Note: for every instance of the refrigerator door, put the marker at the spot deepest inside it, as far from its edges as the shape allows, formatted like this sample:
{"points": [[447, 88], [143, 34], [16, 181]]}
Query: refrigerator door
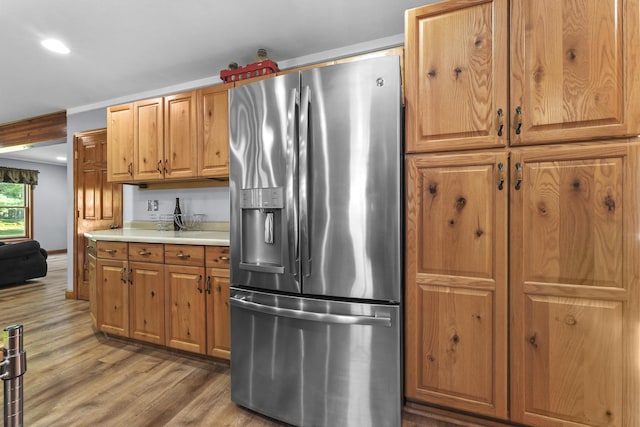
{"points": [[312, 362], [350, 180], [263, 183]]}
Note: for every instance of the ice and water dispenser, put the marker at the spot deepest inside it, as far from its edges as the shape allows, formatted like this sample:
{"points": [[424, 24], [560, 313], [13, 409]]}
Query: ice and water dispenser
{"points": [[262, 229]]}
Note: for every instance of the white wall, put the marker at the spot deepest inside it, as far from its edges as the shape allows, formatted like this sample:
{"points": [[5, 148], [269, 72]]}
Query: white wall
{"points": [[214, 202], [49, 215]]}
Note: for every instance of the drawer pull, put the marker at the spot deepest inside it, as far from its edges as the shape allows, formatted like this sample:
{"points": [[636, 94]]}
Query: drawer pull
{"points": [[223, 258], [183, 256], [144, 253], [110, 251]]}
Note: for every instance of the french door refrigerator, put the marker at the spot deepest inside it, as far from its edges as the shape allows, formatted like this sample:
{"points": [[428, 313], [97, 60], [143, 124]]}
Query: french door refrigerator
{"points": [[316, 262]]}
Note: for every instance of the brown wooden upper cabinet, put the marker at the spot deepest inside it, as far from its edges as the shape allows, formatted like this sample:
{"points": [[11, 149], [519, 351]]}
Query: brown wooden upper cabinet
{"points": [[120, 143], [213, 131], [181, 136], [573, 73]]}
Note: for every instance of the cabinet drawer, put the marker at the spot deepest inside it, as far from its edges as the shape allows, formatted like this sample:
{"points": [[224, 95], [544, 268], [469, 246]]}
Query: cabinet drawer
{"points": [[150, 252], [112, 250], [184, 255], [217, 256]]}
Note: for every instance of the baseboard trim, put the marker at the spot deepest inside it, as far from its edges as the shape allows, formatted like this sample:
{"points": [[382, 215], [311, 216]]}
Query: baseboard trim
{"points": [[69, 294], [424, 411], [56, 251]]}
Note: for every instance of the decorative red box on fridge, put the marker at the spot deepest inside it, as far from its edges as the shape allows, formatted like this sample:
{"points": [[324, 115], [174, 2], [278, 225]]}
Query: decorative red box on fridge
{"points": [[256, 69]]}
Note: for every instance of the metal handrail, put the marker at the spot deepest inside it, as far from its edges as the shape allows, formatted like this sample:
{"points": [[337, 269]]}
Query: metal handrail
{"points": [[12, 368]]}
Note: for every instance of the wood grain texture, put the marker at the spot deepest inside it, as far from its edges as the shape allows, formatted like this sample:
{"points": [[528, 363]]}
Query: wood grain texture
{"points": [[41, 129], [180, 135], [98, 203], [120, 151], [456, 289], [574, 285], [456, 73], [574, 68], [148, 139], [213, 131], [185, 315]]}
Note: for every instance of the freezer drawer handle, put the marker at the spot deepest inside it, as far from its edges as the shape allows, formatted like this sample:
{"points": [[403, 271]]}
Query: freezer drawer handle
{"points": [[262, 268], [376, 320]]}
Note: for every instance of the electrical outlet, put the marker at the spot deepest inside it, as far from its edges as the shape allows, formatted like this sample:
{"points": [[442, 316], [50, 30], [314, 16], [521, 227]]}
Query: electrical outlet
{"points": [[152, 205]]}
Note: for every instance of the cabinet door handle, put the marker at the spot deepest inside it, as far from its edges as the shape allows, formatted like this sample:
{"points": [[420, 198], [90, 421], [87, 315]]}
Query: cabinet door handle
{"points": [[129, 274], [208, 285], [159, 169], [518, 176], [500, 121], [532, 341], [166, 170], [500, 176], [122, 271], [199, 282], [130, 168], [519, 120]]}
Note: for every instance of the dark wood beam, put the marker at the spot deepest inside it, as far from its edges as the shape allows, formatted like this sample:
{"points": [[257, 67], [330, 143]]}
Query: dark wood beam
{"points": [[34, 130]]}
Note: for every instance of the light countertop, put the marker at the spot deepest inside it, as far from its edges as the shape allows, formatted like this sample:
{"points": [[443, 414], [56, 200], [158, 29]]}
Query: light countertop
{"points": [[209, 238]]}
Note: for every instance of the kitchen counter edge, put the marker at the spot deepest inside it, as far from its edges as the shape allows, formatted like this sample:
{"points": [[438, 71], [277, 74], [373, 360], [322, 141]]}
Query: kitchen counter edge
{"points": [[207, 238]]}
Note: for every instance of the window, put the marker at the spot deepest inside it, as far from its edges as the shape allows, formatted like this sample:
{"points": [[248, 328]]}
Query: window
{"points": [[15, 212]]}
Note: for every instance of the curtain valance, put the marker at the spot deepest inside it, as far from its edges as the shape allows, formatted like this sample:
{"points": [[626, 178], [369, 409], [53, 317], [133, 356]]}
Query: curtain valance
{"points": [[18, 176]]}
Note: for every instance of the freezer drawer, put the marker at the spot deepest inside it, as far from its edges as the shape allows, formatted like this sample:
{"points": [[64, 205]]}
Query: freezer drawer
{"points": [[312, 362]]}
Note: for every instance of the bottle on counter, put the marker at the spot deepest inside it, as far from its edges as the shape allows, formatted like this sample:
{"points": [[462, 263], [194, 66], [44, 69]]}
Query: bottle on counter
{"points": [[177, 216]]}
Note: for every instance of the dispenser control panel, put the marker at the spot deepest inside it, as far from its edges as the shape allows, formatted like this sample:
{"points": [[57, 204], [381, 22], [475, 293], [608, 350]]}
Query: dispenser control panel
{"points": [[261, 198]]}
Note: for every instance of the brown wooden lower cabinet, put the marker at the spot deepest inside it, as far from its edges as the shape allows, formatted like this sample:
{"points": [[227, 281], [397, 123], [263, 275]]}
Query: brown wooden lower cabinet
{"points": [[161, 293], [569, 333], [185, 308]]}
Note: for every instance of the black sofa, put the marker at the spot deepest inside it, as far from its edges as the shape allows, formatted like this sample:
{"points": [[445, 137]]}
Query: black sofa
{"points": [[22, 261]]}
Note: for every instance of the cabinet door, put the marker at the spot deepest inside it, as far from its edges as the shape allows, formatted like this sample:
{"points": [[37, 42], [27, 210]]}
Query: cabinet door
{"points": [[218, 314], [149, 140], [180, 135], [574, 70], [113, 297], [147, 302], [185, 308], [456, 76], [120, 143], [213, 131], [456, 281], [574, 285]]}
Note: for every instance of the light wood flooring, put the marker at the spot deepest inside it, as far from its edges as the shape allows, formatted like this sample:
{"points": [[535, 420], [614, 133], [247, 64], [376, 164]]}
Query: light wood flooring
{"points": [[79, 377]]}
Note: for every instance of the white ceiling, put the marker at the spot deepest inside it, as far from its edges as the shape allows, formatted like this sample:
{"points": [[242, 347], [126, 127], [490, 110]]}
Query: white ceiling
{"points": [[123, 49]]}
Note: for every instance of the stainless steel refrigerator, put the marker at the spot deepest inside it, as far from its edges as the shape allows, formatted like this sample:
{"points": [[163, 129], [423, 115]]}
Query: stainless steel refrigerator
{"points": [[316, 262]]}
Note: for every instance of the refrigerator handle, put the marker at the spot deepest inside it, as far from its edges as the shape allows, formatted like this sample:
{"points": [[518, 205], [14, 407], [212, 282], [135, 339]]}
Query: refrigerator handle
{"points": [[305, 238], [343, 319], [292, 183]]}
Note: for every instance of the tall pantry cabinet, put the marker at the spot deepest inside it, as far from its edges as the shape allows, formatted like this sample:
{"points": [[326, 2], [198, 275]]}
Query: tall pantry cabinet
{"points": [[523, 210]]}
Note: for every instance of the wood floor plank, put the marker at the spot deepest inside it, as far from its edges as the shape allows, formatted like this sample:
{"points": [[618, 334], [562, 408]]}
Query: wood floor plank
{"points": [[79, 377]]}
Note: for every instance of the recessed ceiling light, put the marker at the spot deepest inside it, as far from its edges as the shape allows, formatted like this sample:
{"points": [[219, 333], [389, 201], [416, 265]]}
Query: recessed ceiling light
{"points": [[55, 46]]}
